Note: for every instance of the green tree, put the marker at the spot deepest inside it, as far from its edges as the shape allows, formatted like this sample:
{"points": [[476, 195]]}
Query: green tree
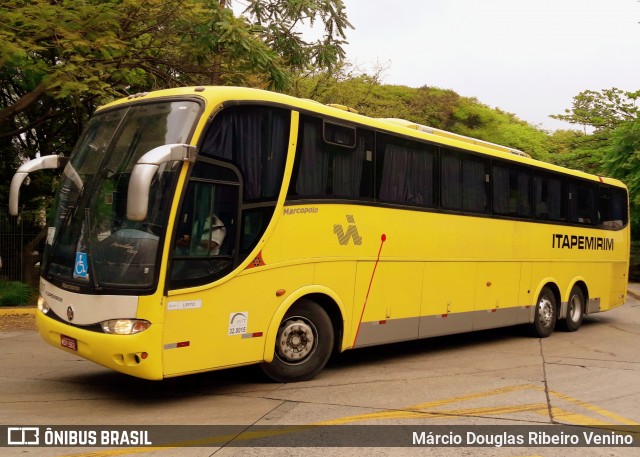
{"points": [[599, 114], [601, 110], [79, 50], [622, 161], [59, 59], [577, 150], [474, 119], [432, 106]]}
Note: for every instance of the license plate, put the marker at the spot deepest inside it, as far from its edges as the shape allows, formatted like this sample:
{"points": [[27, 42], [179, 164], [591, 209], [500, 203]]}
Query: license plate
{"points": [[68, 342]]}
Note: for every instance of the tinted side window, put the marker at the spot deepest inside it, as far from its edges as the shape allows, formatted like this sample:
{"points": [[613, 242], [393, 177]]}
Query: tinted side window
{"points": [[255, 139], [549, 202], [511, 191], [464, 182], [582, 209], [612, 208], [205, 237], [408, 171], [326, 169]]}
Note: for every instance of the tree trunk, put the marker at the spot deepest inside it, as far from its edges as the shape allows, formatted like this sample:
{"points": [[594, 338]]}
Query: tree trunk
{"points": [[22, 104], [29, 260]]}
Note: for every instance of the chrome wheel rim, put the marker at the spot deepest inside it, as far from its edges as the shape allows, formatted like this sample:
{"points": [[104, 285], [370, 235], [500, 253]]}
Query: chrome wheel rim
{"points": [[297, 340], [545, 312]]}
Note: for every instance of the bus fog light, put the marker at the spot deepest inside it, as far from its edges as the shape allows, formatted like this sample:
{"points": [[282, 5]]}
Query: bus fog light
{"points": [[43, 306], [125, 326]]}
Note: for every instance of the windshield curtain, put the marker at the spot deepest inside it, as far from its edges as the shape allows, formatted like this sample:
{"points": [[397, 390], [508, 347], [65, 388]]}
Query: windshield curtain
{"points": [[90, 242]]}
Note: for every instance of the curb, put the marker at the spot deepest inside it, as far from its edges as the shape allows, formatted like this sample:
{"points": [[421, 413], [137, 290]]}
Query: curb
{"points": [[14, 311], [635, 295]]}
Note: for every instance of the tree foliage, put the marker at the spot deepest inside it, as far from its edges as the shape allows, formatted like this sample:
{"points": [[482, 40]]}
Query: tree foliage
{"points": [[79, 50], [603, 110], [432, 106], [622, 161], [59, 59], [611, 148]]}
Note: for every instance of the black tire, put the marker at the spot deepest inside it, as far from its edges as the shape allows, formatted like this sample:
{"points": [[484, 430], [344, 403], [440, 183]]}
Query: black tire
{"points": [[545, 315], [303, 344], [575, 311]]}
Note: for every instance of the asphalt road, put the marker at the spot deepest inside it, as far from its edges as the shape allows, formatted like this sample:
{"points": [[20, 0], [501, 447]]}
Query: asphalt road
{"points": [[499, 377]]}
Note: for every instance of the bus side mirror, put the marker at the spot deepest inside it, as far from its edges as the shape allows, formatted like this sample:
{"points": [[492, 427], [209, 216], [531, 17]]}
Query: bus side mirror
{"points": [[40, 163], [145, 170]]}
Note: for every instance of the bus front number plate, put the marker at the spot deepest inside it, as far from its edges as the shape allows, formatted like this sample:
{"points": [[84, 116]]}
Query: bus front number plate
{"points": [[68, 342]]}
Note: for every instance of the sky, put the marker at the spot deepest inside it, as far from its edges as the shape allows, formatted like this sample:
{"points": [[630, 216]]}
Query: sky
{"points": [[526, 57]]}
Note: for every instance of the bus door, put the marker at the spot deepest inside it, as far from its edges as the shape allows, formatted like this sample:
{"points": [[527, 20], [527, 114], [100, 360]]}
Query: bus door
{"points": [[204, 250]]}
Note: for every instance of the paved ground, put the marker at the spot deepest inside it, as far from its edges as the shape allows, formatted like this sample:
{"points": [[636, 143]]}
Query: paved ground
{"points": [[499, 378]]}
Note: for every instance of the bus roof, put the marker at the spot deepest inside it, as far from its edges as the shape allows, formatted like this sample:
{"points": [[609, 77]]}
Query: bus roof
{"points": [[216, 95]]}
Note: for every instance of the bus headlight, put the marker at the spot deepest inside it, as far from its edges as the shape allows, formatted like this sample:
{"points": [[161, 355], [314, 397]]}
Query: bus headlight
{"points": [[43, 305], [125, 326]]}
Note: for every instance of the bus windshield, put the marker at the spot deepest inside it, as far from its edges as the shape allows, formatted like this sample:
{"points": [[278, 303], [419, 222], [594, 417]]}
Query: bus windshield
{"points": [[90, 242]]}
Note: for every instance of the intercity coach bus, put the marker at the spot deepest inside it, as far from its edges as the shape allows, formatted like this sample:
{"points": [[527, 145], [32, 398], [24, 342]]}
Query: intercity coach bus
{"points": [[202, 228]]}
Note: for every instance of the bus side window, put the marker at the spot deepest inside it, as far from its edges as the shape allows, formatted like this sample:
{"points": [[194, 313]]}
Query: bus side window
{"points": [[511, 191], [548, 197], [206, 233], [327, 168], [201, 231], [612, 208], [582, 203], [465, 180], [408, 172]]}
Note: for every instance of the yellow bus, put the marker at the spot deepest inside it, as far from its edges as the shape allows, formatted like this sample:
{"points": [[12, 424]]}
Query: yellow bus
{"points": [[203, 228]]}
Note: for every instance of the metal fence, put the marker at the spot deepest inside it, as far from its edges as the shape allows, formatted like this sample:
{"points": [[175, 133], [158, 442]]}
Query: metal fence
{"points": [[20, 250]]}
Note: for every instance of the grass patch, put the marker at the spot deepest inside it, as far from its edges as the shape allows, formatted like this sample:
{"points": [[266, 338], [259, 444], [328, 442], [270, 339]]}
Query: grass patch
{"points": [[14, 293]]}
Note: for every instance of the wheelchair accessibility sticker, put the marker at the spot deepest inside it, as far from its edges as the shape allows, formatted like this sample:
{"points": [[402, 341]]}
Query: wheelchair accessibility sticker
{"points": [[80, 270]]}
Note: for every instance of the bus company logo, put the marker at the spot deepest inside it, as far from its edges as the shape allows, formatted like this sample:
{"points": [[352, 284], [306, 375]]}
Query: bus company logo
{"points": [[350, 233], [591, 243]]}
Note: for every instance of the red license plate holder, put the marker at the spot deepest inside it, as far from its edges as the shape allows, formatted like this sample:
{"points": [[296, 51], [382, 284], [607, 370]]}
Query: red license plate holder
{"points": [[68, 342]]}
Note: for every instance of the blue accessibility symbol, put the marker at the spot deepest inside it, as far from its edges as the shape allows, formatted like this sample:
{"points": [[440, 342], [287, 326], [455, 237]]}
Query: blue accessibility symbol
{"points": [[80, 270]]}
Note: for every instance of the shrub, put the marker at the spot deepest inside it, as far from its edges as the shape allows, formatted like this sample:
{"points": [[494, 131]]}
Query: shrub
{"points": [[14, 293]]}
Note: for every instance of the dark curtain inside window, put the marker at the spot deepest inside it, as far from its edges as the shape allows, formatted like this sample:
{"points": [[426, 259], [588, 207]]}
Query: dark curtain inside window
{"points": [[347, 170], [451, 182], [326, 169], [548, 198], [314, 161], [407, 175], [524, 200], [501, 190], [510, 192], [474, 197], [255, 139]]}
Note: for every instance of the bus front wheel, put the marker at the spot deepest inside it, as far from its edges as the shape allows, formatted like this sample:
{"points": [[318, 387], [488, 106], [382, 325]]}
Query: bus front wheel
{"points": [[546, 313], [303, 344]]}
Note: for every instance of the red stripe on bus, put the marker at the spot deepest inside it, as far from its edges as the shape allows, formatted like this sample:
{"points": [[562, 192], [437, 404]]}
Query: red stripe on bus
{"points": [[383, 238]]}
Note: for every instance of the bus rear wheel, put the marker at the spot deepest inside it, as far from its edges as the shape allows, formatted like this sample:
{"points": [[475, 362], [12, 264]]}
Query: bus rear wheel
{"points": [[575, 310], [303, 344], [546, 313]]}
